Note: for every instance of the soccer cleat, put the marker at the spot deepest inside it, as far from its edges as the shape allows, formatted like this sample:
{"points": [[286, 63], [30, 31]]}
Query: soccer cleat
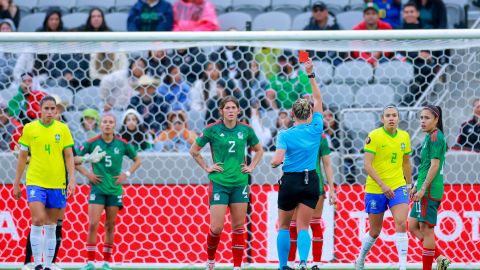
{"points": [[38, 267], [88, 266], [47, 268], [287, 268], [105, 266], [443, 262], [210, 265], [315, 267], [359, 265], [54, 266], [28, 266]]}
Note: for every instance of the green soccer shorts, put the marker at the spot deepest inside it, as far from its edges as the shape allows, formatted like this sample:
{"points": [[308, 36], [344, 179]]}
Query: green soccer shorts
{"points": [[106, 200], [220, 194], [426, 211]]}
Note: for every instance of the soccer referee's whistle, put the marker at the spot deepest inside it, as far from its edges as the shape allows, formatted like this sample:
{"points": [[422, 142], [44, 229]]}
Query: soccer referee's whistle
{"points": [[306, 177]]}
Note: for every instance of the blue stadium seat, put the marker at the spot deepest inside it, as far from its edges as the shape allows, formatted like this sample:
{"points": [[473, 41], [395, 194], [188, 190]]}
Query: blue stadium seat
{"points": [[253, 7], [86, 5], [273, 20], [31, 22], [347, 20], [74, 20], [64, 5], [124, 5], [234, 19], [117, 21]]}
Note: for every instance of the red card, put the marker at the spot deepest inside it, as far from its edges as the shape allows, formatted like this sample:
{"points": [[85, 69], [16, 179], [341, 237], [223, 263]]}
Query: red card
{"points": [[302, 56]]}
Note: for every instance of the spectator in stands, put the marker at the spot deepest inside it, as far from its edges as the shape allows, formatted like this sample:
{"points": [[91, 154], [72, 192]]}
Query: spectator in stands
{"points": [[62, 106], [10, 129], [371, 21], [174, 90], [102, 64], [283, 122], [411, 17], [390, 11], [150, 15], [255, 84], [7, 60], [95, 22], [25, 106], [205, 88], [134, 131], [263, 133], [53, 21], [433, 13], [158, 63], [194, 15], [289, 84], [8, 10], [234, 60], [116, 88], [149, 104], [267, 59], [320, 19], [190, 61], [89, 127], [177, 137], [224, 87], [469, 137]]}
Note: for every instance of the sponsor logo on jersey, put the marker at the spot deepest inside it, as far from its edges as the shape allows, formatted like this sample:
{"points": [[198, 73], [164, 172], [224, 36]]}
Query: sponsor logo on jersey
{"points": [[216, 197], [116, 151], [373, 204], [240, 135], [402, 145], [57, 137]]}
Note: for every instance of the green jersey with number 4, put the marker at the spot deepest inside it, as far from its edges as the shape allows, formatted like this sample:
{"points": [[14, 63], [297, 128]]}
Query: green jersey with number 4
{"points": [[434, 147], [110, 165], [228, 146]]}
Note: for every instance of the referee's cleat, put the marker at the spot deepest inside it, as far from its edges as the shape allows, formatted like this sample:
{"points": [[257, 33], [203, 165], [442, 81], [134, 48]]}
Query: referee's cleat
{"points": [[287, 268], [302, 266], [442, 262], [359, 265]]}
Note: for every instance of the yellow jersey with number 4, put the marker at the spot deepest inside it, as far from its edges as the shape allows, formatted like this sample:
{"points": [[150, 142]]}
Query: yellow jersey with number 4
{"points": [[388, 160], [46, 144]]}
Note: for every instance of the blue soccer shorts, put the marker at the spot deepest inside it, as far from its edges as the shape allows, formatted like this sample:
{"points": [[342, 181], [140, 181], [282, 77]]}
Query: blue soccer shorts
{"points": [[379, 203], [50, 197]]}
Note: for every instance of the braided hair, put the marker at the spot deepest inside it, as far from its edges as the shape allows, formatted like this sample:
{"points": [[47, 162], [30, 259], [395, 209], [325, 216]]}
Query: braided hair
{"points": [[301, 109]]}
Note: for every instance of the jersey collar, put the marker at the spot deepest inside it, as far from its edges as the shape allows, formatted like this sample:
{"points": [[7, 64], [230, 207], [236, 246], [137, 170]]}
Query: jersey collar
{"points": [[390, 135], [47, 126]]}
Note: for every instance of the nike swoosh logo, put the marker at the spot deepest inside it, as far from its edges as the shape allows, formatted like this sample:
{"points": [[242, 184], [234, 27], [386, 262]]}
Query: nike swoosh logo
{"points": [[36, 137]]}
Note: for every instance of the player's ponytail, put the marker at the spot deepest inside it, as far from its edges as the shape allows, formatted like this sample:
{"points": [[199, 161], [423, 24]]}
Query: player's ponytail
{"points": [[440, 119]]}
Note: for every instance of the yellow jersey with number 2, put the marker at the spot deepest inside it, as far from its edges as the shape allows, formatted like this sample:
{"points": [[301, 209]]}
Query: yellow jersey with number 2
{"points": [[46, 145], [388, 160]]}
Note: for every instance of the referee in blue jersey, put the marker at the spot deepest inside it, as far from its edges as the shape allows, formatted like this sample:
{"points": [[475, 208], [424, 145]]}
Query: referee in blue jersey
{"points": [[297, 149]]}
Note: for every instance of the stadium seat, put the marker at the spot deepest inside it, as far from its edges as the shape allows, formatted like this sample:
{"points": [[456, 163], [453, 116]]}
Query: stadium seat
{"points": [[64, 93], [394, 72], [356, 71], [237, 20], [124, 5], [293, 8], [374, 95], [361, 123], [86, 5], [117, 21], [455, 15], [25, 6], [64, 5], [337, 95], [7, 94], [336, 6], [347, 20], [324, 71], [251, 6], [357, 5], [74, 20], [222, 5], [196, 120], [31, 22], [301, 20], [87, 98], [272, 21]]}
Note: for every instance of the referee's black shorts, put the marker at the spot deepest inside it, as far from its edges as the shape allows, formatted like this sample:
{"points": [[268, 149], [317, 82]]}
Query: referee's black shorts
{"points": [[294, 190]]}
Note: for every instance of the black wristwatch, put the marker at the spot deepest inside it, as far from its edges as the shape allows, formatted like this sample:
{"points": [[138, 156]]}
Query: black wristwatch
{"points": [[311, 76]]}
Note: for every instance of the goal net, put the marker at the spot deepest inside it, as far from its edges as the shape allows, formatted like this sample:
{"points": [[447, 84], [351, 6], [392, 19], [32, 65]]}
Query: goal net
{"points": [[164, 89]]}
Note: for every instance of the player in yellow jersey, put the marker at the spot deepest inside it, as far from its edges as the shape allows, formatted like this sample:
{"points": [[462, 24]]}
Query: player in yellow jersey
{"points": [[387, 162], [50, 145]]}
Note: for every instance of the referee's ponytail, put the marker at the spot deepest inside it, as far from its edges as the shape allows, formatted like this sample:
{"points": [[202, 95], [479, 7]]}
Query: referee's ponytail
{"points": [[301, 109]]}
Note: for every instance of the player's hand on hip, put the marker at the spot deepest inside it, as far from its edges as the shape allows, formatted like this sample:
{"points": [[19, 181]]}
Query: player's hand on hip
{"points": [[419, 195], [332, 198], [411, 192], [246, 168], [215, 168], [309, 66], [94, 179], [120, 179], [17, 192], [387, 191], [72, 183]]}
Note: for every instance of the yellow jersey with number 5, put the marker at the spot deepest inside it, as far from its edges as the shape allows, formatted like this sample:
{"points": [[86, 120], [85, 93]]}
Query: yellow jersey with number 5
{"points": [[46, 144], [388, 160]]}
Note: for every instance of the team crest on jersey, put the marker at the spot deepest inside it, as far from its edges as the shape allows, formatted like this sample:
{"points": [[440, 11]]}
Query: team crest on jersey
{"points": [[92, 197], [240, 135], [403, 147], [57, 137], [368, 140], [216, 197], [373, 204], [116, 151]]}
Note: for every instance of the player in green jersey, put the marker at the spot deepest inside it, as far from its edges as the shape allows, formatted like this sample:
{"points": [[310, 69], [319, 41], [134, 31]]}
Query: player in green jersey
{"points": [[228, 139], [106, 186], [428, 192], [316, 221]]}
